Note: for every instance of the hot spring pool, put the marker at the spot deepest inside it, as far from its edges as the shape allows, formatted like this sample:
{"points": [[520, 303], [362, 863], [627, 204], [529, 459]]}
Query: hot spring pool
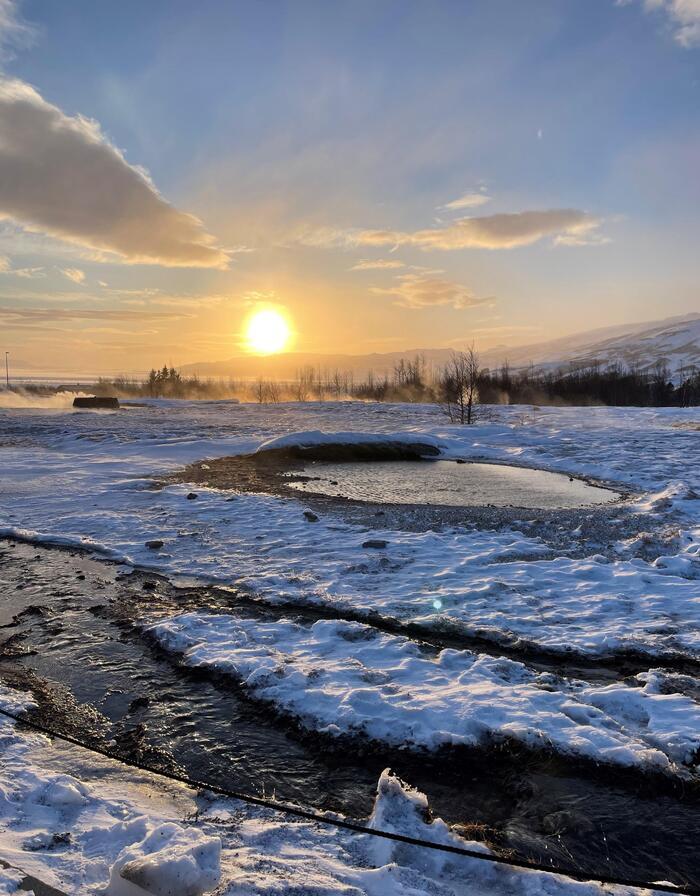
{"points": [[449, 483]]}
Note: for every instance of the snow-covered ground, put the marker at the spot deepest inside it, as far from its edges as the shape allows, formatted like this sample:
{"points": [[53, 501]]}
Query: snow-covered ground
{"points": [[86, 826], [347, 678], [85, 478]]}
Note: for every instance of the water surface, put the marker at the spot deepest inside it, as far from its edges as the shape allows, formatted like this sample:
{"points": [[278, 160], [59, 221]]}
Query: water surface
{"points": [[445, 482]]}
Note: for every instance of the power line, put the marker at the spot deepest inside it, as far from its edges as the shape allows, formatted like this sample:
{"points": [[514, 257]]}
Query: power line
{"points": [[310, 815]]}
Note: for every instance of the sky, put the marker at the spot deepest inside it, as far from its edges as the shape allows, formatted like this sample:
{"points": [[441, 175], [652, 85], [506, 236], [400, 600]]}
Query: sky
{"points": [[390, 174]]}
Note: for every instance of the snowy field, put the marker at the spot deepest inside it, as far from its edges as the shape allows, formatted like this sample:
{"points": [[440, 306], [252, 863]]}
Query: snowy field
{"points": [[86, 479]]}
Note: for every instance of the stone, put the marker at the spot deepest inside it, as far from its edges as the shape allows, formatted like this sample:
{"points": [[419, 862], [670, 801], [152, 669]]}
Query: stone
{"points": [[101, 402], [192, 496], [378, 543], [155, 544], [310, 517]]}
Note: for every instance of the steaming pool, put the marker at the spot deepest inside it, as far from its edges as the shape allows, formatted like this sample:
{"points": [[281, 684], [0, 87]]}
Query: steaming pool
{"points": [[450, 483]]}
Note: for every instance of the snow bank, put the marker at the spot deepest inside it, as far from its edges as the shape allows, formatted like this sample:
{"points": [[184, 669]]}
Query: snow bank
{"points": [[118, 833], [166, 860], [347, 678], [10, 881], [313, 438], [70, 833]]}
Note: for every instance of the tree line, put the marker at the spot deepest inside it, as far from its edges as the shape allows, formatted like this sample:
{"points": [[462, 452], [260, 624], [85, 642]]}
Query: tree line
{"points": [[459, 386]]}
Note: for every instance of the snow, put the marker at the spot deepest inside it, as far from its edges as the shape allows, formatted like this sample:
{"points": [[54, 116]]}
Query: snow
{"points": [[348, 678], [164, 861], [87, 479], [124, 840], [10, 881], [318, 437], [69, 833]]}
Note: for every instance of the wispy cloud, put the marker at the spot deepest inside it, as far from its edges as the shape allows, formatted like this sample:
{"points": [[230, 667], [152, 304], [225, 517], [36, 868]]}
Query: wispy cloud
{"points": [[15, 33], [61, 176], [468, 200], [421, 291], [377, 264], [27, 273], [12, 316], [74, 274], [683, 17], [502, 231]]}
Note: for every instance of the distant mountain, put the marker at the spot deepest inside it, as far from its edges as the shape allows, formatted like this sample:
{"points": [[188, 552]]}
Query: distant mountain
{"points": [[674, 341]]}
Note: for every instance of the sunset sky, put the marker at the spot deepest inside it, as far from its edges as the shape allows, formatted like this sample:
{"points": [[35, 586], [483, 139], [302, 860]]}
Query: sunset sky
{"points": [[392, 175]]}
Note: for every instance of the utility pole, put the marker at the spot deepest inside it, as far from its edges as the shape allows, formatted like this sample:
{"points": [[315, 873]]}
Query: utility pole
{"points": [[7, 371]]}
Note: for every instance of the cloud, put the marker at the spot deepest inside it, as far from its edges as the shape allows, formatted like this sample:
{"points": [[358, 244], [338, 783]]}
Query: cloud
{"points": [[469, 200], [6, 268], [14, 31], [683, 16], [74, 274], [502, 231], [377, 264], [60, 175], [421, 291], [12, 317]]}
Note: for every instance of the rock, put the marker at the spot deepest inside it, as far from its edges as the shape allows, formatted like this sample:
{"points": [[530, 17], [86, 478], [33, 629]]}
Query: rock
{"points": [[311, 517], [155, 544], [192, 496], [99, 402], [378, 543], [150, 586], [139, 703], [460, 460]]}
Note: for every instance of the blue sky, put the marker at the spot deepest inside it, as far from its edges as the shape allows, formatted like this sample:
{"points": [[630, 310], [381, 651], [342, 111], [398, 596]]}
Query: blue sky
{"points": [[319, 145]]}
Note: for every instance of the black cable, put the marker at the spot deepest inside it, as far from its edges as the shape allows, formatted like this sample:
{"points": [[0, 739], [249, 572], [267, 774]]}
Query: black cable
{"points": [[309, 815]]}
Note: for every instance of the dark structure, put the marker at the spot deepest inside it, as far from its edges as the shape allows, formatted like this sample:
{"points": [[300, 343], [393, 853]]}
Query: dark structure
{"points": [[100, 403]]}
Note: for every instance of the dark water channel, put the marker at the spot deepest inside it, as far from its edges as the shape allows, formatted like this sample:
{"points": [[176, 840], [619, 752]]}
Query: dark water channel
{"points": [[448, 483], [66, 622]]}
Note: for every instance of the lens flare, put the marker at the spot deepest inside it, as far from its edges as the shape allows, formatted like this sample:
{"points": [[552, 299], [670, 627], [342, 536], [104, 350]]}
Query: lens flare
{"points": [[267, 332]]}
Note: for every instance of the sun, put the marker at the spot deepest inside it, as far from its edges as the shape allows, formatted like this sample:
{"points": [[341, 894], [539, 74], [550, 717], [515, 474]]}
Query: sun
{"points": [[267, 332]]}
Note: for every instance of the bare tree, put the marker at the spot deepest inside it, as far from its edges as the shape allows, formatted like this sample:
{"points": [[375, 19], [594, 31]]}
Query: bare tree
{"points": [[266, 391], [304, 383], [459, 392]]}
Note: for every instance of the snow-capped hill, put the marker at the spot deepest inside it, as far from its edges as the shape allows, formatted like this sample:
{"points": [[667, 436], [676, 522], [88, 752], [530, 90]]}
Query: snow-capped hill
{"points": [[674, 342]]}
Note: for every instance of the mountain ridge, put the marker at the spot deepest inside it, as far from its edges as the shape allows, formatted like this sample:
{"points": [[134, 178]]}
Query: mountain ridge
{"points": [[674, 341]]}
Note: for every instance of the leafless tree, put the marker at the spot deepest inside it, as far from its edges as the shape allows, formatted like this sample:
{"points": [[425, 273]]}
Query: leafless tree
{"points": [[304, 384], [459, 392], [266, 392]]}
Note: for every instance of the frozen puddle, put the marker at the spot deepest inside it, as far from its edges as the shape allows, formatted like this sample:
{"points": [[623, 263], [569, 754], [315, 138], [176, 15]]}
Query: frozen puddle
{"points": [[446, 482]]}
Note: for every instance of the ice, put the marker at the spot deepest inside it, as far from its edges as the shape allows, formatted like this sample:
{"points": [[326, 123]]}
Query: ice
{"points": [[166, 860]]}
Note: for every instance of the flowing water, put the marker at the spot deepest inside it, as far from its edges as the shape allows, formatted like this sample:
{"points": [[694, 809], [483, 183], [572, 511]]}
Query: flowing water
{"points": [[66, 620], [445, 482]]}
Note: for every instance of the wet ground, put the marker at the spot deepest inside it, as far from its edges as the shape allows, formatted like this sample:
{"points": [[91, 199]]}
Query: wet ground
{"points": [[70, 629], [448, 483]]}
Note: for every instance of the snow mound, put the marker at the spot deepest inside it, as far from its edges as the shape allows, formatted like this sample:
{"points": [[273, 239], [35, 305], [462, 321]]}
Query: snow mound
{"points": [[421, 443], [10, 881], [167, 861], [672, 496], [401, 809]]}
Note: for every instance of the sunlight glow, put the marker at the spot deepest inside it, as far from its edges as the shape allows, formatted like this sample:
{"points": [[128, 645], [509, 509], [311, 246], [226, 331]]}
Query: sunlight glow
{"points": [[267, 332]]}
